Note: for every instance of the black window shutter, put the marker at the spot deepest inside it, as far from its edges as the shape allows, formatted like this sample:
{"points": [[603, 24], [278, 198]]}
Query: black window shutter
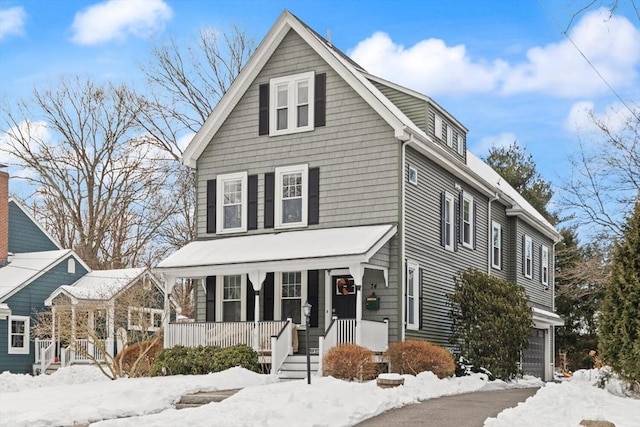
{"points": [[456, 237], [540, 262], [251, 300], [524, 256], [269, 195], [211, 206], [267, 291], [420, 271], [313, 296], [263, 109], [501, 255], [320, 96], [475, 224], [443, 224], [314, 196], [210, 315], [252, 219], [460, 214]]}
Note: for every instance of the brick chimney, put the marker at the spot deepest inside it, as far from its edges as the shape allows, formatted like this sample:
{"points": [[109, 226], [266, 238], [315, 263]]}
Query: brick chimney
{"points": [[4, 216]]}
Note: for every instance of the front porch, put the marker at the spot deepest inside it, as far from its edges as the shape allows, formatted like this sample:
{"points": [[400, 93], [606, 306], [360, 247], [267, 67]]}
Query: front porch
{"points": [[83, 351]]}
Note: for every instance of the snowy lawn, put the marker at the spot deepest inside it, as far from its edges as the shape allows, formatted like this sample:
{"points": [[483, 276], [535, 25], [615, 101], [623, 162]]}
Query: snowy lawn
{"points": [[81, 395]]}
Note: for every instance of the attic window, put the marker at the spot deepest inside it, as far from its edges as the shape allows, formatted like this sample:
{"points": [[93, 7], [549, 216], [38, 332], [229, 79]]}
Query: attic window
{"points": [[438, 126], [292, 104], [71, 266], [460, 147]]}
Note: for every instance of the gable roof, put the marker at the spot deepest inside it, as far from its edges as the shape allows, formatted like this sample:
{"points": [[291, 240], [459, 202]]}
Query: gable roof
{"points": [[102, 285], [24, 268], [36, 223], [475, 172]]}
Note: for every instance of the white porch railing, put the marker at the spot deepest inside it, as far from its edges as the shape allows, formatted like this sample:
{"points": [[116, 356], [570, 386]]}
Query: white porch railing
{"points": [[281, 346], [41, 345], [46, 357], [375, 335], [221, 334], [85, 350], [65, 356]]}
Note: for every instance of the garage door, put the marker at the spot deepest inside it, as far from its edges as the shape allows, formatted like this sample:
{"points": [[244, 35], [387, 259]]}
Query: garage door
{"points": [[533, 359]]}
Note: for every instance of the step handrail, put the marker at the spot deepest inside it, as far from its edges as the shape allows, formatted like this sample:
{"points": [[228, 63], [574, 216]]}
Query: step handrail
{"points": [[46, 358], [281, 346]]}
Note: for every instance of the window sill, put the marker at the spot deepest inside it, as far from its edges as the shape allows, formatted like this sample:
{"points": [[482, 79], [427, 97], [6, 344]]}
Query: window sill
{"points": [[291, 131]]}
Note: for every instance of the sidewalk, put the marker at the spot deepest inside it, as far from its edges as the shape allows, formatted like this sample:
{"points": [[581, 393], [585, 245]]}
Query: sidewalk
{"points": [[462, 410]]}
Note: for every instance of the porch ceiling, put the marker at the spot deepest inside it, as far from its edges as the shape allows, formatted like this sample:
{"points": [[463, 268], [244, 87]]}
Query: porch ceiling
{"points": [[306, 249]]}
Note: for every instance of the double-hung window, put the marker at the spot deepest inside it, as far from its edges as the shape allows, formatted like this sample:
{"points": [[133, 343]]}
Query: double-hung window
{"points": [[292, 293], [144, 318], [460, 147], [291, 196], [496, 245], [292, 103], [232, 287], [527, 257], [544, 265], [449, 136], [449, 221], [413, 295], [232, 203], [19, 334], [438, 126], [467, 220]]}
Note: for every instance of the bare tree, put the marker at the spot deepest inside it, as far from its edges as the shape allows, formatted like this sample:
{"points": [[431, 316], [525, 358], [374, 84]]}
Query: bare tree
{"points": [[605, 180], [99, 183]]}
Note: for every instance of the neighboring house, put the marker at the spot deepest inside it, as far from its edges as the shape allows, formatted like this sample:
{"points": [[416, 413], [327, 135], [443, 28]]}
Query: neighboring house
{"points": [[319, 182], [95, 317], [33, 266]]}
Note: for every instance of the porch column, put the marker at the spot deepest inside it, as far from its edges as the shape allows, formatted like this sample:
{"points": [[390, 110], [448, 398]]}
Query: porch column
{"points": [[111, 330], [169, 283], [357, 272], [257, 278]]}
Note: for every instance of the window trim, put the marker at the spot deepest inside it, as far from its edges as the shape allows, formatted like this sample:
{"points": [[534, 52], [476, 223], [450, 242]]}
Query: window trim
{"points": [[220, 297], [149, 310], [460, 146], [466, 197], [244, 204], [437, 126], [497, 264], [26, 349], [527, 267], [277, 303], [279, 172], [449, 136], [413, 180], [544, 265], [412, 265], [292, 110], [448, 197]]}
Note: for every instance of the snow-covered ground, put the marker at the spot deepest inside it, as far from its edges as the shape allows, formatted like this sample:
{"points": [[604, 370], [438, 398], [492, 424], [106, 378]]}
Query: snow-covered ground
{"points": [[81, 394]]}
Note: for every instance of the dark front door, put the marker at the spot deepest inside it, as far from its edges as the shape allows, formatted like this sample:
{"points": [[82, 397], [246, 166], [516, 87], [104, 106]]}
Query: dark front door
{"points": [[344, 297]]}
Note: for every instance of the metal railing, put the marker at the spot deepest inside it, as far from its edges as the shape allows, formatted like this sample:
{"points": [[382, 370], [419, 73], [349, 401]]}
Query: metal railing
{"points": [[281, 346]]}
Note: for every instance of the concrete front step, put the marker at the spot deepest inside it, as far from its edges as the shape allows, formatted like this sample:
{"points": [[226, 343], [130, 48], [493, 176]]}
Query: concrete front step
{"points": [[295, 367], [194, 400]]}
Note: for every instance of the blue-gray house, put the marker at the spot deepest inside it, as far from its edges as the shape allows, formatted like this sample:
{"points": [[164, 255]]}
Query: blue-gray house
{"points": [[32, 265]]}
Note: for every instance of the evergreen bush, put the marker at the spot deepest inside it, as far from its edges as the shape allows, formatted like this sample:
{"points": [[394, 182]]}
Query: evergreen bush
{"points": [[413, 357], [350, 362], [201, 360], [491, 322]]}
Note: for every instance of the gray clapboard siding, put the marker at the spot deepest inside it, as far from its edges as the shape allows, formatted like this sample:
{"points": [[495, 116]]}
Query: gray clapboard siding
{"points": [[499, 215], [414, 108], [538, 295], [356, 151]]}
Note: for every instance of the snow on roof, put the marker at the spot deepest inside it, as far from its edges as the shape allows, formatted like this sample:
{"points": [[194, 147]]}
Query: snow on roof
{"points": [[26, 267], [102, 284], [291, 245]]}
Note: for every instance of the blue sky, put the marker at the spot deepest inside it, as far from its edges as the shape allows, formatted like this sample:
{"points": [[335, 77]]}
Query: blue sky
{"points": [[503, 68]]}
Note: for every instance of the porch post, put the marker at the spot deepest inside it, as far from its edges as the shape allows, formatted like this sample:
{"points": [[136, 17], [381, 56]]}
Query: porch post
{"points": [[257, 278], [169, 283], [357, 271]]}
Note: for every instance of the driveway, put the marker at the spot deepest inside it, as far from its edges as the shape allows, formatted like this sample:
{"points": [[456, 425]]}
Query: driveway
{"points": [[462, 410]]}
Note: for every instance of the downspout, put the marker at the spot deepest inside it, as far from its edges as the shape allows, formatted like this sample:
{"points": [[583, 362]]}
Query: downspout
{"points": [[490, 234]]}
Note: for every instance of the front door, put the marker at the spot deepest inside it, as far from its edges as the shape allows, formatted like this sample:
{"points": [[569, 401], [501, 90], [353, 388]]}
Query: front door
{"points": [[344, 297]]}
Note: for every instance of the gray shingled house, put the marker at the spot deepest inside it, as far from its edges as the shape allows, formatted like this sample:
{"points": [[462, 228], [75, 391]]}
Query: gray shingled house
{"points": [[320, 182]]}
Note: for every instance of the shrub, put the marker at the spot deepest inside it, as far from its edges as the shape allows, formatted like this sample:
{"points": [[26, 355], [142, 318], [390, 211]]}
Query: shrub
{"points": [[137, 359], [350, 362], [413, 357], [201, 360]]}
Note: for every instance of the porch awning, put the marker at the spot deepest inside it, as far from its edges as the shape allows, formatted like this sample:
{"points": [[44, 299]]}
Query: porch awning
{"points": [[544, 319], [282, 251]]}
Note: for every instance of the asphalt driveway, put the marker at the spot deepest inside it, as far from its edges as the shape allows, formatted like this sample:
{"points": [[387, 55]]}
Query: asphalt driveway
{"points": [[461, 410]]}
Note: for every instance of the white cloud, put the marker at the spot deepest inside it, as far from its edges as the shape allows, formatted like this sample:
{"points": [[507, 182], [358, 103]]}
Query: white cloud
{"points": [[580, 119], [612, 45], [503, 139], [432, 67], [117, 19], [36, 132], [12, 21]]}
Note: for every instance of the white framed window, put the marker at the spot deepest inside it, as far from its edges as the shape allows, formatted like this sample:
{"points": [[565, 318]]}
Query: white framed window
{"points": [[291, 196], [71, 266], [496, 245], [231, 195], [291, 103], [19, 330], [413, 295], [140, 318], [527, 257], [449, 221], [460, 147], [466, 216], [449, 136], [291, 288], [413, 175], [438, 126], [544, 265], [232, 292]]}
